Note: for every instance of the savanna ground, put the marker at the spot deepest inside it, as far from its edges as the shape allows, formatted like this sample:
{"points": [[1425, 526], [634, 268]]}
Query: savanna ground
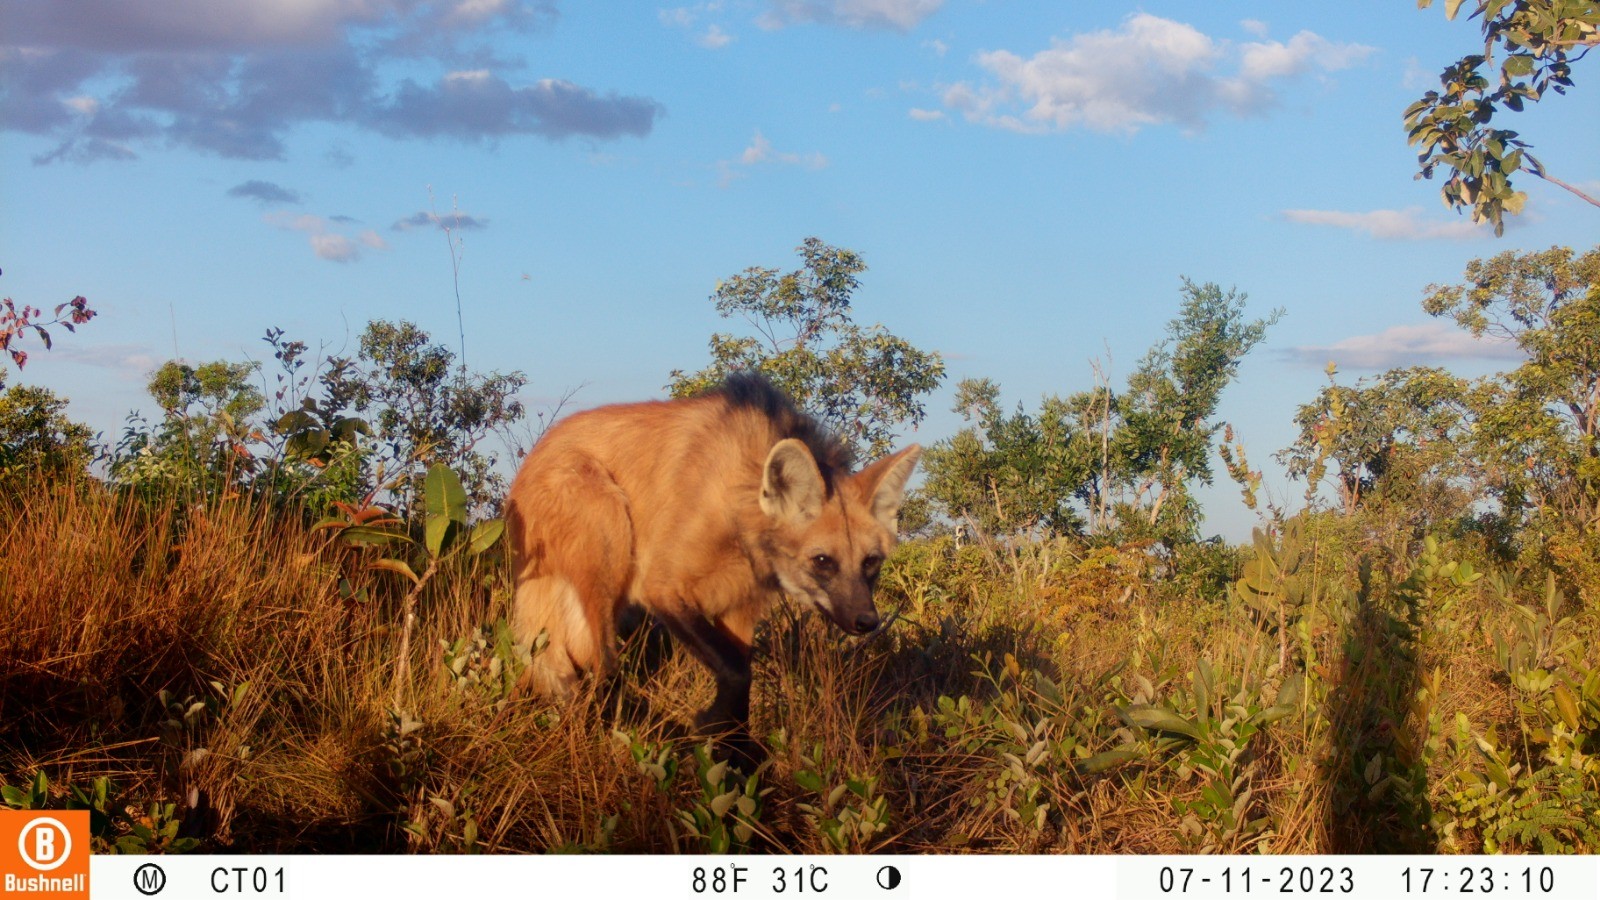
{"points": [[219, 676], [273, 618]]}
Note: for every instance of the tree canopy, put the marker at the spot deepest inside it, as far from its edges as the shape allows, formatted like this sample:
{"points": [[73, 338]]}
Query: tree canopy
{"points": [[1100, 459], [863, 382]]}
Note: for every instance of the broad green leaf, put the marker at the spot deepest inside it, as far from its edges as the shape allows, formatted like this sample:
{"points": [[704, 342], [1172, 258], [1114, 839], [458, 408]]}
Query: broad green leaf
{"points": [[444, 496], [1158, 718], [485, 535], [347, 428], [16, 798], [306, 444], [293, 421], [436, 534]]}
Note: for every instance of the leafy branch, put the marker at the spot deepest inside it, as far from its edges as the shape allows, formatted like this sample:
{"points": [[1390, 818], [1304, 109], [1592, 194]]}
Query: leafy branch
{"points": [[1539, 40]]}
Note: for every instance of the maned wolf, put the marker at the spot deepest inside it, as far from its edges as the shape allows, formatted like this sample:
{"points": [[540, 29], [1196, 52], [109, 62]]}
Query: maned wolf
{"points": [[700, 511]]}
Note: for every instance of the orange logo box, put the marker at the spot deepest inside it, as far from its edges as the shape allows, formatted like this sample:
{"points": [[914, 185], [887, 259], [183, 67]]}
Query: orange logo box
{"points": [[44, 854]]}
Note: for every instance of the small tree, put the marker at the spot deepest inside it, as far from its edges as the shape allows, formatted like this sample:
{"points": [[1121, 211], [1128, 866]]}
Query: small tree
{"points": [[369, 425], [863, 382], [1537, 428], [204, 438], [1399, 439], [37, 440], [1129, 459], [1163, 442], [424, 410], [1009, 474]]}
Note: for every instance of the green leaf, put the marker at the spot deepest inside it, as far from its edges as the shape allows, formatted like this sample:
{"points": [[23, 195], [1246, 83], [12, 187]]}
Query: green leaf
{"points": [[444, 496], [485, 535], [346, 429], [1451, 7], [1157, 718], [1100, 762], [306, 444], [367, 534], [1289, 694], [806, 778], [437, 533], [293, 421], [15, 798], [1274, 713]]}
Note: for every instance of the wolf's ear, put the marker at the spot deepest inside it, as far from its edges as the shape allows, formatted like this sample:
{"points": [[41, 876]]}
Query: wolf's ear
{"points": [[791, 485], [884, 484]]}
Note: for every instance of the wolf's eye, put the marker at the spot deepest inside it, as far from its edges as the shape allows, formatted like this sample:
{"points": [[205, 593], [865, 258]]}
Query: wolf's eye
{"points": [[871, 565], [822, 562]]}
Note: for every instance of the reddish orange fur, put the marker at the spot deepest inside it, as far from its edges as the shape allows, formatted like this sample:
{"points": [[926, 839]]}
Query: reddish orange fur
{"points": [[661, 505]]}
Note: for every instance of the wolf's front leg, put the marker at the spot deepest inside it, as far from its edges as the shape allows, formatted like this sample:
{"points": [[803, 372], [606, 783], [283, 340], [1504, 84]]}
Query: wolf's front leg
{"points": [[726, 652]]}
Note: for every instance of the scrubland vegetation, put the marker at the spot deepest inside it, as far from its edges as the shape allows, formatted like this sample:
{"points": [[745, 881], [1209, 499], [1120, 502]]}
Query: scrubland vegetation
{"points": [[274, 619]]}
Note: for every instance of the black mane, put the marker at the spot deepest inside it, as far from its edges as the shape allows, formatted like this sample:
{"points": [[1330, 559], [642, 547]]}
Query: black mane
{"points": [[752, 390]]}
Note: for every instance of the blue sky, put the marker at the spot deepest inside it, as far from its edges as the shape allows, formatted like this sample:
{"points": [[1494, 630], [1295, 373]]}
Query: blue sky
{"points": [[1027, 183]]}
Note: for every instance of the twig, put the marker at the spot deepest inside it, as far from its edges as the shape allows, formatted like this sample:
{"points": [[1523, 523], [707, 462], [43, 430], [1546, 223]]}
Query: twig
{"points": [[404, 668], [1559, 183]]}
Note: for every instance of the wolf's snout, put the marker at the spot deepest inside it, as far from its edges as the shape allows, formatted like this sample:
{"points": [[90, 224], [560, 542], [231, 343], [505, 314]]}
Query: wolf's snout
{"points": [[867, 621]]}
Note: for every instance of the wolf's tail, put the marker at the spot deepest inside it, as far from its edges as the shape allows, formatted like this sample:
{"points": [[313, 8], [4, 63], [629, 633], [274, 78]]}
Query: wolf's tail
{"points": [[550, 605]]}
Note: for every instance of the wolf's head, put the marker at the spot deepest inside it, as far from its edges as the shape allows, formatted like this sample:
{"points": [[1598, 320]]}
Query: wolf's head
{"points": [[827, 546]]}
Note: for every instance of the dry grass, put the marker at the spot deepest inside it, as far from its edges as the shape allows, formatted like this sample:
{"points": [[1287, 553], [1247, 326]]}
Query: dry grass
{"points": [[113, 601]]}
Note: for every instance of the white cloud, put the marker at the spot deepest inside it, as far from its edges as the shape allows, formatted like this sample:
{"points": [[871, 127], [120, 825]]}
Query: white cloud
{"points": [[1271, 59], [1254, 26], [1405, 345], [926, 115], [1391, 224], [714, 38], [939, 48], [761, 152], [1149, 71], [82, 105], [102, 77], [334, 247], [676, 17], [131, 361], [687, 17], [326, 241], [897, 15], [1416, 78]]}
